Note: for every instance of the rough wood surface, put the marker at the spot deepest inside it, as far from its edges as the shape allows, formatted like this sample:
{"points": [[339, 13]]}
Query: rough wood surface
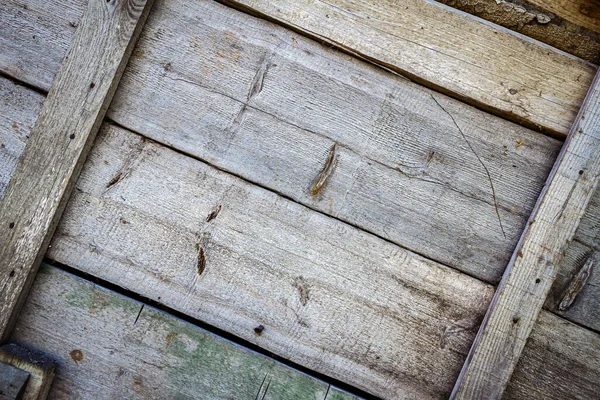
{"points": [[328, 296], [60, 139], [585, 309], [111, 347], [41, 369], [265, 104], [560, 361], [19, 107], [481, 63], [534, 265], [566, 27]]}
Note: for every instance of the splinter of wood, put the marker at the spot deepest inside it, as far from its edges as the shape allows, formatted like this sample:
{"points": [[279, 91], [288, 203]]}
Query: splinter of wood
{"points": [[325, 172], [577, 284]]}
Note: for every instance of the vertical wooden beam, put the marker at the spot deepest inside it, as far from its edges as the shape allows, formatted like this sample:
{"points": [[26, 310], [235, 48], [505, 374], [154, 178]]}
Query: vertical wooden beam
{"points": [[533, 266], [59, 143]]}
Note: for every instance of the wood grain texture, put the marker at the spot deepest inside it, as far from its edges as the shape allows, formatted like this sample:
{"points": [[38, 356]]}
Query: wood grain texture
{"points": [[582, 12], [533, 267], [12, 382], [330, 297], [266, 104], [565, 28], [480, 63], [560, 361], [19, 107], [585, 310], [109, 346], [59, 142]]}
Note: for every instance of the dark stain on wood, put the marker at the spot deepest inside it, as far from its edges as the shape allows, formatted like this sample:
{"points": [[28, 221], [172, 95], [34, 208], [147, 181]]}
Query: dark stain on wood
{"points": [[259, 330], [201, 261], [76, 355], [213, 214]]}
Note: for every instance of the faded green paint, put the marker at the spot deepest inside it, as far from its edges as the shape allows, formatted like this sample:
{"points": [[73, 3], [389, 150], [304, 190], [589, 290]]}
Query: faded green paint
{"points": [[188, 362]]}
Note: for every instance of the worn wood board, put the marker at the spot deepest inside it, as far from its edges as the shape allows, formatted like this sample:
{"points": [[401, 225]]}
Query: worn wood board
{"points": [[60, 139], [484, 64], [530, 274], [566, 24], [109, 346], [330, 297]]}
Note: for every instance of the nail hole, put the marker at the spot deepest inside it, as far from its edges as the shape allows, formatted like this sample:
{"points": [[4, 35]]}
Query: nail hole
{"points": [[580, 172], [92, 85], [537, 280], [12, 273], [11, 225], [259, 329], [516, 320], [72, 136]]}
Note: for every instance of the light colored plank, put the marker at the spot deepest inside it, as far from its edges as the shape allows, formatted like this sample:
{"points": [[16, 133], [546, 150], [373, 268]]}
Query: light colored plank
{"points": [[560, 361], [404, 170], [415, 179], [111, 347], [330, 297], [483, 64], [533, 267], [564, 27], [60, 139], [19, 108]]}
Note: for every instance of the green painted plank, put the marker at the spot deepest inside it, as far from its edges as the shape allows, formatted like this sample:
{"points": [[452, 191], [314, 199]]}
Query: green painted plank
{"points": [[110, 346]]}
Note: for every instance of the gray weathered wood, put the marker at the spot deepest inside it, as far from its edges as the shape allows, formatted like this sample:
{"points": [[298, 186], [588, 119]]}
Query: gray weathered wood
{"points": [[41, 369], [19, 107], [111, 347], [416, 181], [482, 63], [560, 361], [561, 24], [60, 139], [534, 265], [12, 382], [330, 297], [404, 170]]}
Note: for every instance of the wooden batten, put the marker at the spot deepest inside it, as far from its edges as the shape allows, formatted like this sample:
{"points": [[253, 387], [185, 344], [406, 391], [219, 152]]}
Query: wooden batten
{"points": [[60, 139], [534, 265]]}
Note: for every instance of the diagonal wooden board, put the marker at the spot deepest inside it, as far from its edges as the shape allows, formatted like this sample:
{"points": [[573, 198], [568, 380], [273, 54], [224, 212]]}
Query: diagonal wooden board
{"points": [[534, 264], [60, 140]]}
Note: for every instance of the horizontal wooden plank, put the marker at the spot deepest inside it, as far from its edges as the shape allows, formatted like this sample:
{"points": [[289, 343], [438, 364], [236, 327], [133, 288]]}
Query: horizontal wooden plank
{"points": [[409, 167], [533, 267], [561, 24], [19, 108], [60, 139], [403, 155], [560, 361], [330, 297], [484, 64], [109, 346]]}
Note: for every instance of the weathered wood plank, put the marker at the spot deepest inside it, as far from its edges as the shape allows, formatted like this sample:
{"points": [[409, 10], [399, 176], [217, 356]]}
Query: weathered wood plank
{"points": [[560, 361], [60, 139], [483, 64], [330, 297], [19, 108], [534, 265], [413, 175], [109, 346], [561, 24], [404, 158]]}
